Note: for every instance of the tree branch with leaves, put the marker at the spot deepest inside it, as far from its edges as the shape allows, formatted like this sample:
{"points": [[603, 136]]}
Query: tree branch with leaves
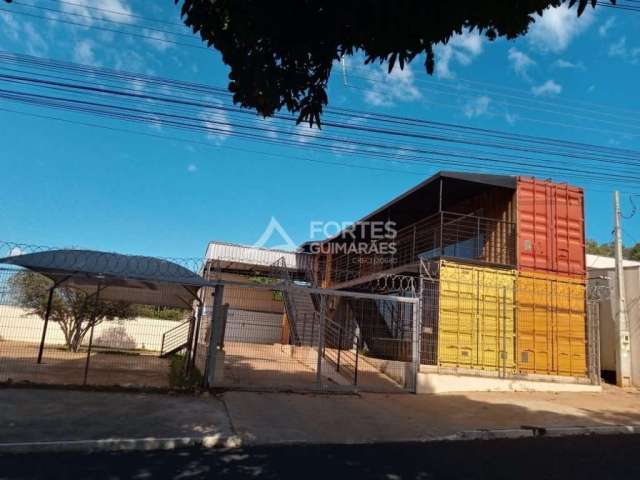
{"points": [[73, 310], [281, 53]]}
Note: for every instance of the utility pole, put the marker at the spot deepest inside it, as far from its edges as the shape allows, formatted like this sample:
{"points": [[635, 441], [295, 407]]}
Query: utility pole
{"points": [[623, 355]]}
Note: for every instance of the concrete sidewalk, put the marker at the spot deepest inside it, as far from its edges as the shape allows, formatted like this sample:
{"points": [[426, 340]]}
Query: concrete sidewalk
{"points": [[136, 420], [48, 419]]}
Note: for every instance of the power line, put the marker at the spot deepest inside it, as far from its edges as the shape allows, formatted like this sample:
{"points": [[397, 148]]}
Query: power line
{"points": [[195, 124], [115, 12], [105, 29], [98, 19], [199, 89]]}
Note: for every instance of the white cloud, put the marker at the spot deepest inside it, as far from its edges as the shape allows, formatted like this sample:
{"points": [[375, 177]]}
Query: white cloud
{"points": [[477, 107], [385, 89], [157, 40], [461, 49], [192, 168], [305, 133], [9, 26], [558, 27], [520, 62], [216, 121], [83, 53], [620, 49], [603, 31], [34, 42], [561, 63], [109, 9], [549, 87]]}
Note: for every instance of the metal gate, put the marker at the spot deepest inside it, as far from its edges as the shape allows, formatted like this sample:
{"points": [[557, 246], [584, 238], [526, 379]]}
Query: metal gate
{"points": [[324, 339]]}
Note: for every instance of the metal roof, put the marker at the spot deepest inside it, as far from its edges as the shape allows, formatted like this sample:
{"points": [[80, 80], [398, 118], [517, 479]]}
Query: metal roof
{"points": [[243, 257], [503, 181], [130, 278]]}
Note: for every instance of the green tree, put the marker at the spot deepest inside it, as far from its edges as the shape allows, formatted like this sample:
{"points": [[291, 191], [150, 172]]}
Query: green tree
{"points": [[281, 53], [607, 250], [633, 253], [71, 309], [604, 249]]}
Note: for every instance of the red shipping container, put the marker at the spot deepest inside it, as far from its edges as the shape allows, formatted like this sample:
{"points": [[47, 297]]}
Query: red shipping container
{"points": [[550, 222]]}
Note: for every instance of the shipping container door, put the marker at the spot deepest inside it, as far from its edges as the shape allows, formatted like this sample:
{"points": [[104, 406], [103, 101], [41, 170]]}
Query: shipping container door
{"points": [[569, 230], [534, 324], [457, 313], [550, 224], [534, 221], [476, 317], [570, 324], [496, 322]]}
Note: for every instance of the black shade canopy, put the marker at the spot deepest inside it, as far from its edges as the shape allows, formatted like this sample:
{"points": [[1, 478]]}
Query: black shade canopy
{"points": [[130, 278]]}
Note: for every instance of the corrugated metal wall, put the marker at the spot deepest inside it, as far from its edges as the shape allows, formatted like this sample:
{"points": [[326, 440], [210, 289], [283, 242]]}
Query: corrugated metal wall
{"points": [[551, 325], [475, 317], [550, 222]]}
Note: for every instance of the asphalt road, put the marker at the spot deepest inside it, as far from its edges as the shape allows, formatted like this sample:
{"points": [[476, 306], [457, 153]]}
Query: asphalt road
{"points": [[597, 457]]}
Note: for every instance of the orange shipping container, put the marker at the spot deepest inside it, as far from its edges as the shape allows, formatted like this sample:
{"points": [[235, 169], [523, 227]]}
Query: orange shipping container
{"points": [[550, 222], [551, 325]]}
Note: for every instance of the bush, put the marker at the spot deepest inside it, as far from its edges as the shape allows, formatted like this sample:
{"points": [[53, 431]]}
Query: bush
{"points": [[116, 337], [178, 377]]}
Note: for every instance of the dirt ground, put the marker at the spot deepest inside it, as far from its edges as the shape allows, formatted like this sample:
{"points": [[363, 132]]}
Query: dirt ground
{"points": [[281, 366], [249, 365], [18, 362]]}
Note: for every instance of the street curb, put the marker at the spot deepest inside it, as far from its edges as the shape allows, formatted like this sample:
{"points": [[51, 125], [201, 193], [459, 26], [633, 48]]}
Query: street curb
{"points": [[533, 431], [234, 441], [123, 444]]}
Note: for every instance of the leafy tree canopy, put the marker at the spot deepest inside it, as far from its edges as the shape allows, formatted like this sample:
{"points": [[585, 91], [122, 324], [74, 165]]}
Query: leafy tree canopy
{"points": [[607, 250], [71, 309], [281, 53]]}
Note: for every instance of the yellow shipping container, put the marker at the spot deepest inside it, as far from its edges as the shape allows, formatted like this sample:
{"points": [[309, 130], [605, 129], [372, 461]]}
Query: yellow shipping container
{"points": [[475, 317], [551, 325]]}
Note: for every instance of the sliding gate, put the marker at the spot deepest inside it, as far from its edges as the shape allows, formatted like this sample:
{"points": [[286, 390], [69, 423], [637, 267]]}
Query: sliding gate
{"points": [[323, 339]]}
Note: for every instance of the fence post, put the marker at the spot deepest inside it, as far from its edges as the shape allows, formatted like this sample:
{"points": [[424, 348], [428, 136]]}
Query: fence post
{"points": [[196, 334], [93, 324], [416, 334], [46, 322], [504, 332], [321, 327], [216, 327], [339, 347]]}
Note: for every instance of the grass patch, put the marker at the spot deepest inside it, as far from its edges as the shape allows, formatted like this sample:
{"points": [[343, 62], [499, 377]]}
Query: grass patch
{"points": [[177, 376]]}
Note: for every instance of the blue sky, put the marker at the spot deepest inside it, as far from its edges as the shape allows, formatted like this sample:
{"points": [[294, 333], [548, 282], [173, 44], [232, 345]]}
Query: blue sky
{"points": [[65, 184]]}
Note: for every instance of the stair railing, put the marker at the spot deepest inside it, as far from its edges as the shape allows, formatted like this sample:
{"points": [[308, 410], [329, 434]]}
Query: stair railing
{"points": [[280, 269], [175, 338]]}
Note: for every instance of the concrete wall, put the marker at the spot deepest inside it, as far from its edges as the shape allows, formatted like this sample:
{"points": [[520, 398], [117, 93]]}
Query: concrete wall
{"points": [[253, 327], [246, 298], [18, 325], [608, 312]]}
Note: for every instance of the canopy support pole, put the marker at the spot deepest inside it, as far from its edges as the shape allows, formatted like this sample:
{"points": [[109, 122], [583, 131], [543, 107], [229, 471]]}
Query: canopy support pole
{"points": [[46, 323], [93, 324]]}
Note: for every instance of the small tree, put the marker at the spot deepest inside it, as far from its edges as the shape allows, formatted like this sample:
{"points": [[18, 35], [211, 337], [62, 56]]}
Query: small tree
{"points": [[71, 309]]}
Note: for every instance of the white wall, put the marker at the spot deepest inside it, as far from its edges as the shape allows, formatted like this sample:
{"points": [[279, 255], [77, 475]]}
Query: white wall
{"points": [[16, 324], [608, 310], [253, 327]]}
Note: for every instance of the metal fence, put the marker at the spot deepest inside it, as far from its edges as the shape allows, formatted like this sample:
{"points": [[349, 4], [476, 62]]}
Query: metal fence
{"points": [[116, 343], [275, 332], [444, 234], [344, 340], [495, 327]]}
